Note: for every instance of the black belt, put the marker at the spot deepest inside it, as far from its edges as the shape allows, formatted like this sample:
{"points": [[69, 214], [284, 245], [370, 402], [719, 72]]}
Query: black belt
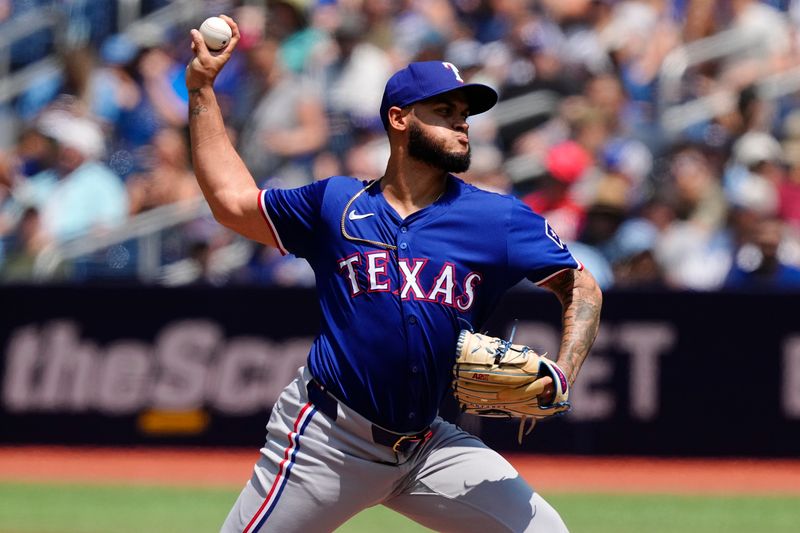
{"points": [[398, 442]]}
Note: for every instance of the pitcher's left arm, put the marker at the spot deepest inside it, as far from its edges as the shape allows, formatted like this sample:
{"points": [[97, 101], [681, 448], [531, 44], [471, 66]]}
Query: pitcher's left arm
{"points": [[581, 301]]}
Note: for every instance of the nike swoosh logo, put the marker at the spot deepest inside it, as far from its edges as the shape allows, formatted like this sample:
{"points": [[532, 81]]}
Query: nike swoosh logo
{"points": [[355, 216]]}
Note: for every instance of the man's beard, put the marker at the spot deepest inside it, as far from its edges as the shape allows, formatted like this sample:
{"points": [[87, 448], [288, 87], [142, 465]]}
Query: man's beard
{"points": [[427, 150]]}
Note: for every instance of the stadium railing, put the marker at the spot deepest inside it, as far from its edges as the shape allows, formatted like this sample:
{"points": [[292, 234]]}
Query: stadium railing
{"points": [[136, 249], [677, 113]]}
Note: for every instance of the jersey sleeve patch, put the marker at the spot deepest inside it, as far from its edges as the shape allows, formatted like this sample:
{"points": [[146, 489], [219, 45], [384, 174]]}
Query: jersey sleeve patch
{"points": [[551, 233]]}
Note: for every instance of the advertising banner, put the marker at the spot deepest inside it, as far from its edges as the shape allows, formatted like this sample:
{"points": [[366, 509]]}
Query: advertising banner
{"points": [[684, 374]]}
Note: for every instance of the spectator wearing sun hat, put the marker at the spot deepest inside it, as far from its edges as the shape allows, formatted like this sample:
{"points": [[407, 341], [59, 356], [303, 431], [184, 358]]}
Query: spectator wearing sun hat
{"points": [[79, 193]]}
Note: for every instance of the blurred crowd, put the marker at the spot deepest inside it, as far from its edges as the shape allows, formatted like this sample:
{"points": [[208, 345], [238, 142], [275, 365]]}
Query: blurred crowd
{"points": [[579, 133]]}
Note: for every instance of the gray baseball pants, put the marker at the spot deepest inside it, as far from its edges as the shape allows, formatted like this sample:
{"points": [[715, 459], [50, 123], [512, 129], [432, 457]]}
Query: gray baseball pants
{"points": [[315, 473]]}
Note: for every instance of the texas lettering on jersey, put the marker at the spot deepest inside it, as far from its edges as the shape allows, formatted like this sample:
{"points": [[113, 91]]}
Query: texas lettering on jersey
{"points": [[367, 273]]}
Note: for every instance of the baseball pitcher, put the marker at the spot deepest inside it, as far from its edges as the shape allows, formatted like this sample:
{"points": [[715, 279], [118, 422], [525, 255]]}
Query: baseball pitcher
{"points": [[406, 266]]}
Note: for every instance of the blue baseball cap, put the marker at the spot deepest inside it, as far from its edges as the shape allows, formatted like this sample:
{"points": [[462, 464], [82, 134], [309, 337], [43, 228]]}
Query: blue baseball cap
{"points": [[425, 79]]}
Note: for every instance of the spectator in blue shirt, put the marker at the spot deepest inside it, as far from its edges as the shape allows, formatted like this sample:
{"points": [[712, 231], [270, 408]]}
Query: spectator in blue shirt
{"points": [[758, 265], [79, 193]]}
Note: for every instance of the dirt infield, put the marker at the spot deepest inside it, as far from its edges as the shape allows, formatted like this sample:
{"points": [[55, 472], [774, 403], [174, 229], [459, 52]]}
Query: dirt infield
{"points": [[231, 468]]}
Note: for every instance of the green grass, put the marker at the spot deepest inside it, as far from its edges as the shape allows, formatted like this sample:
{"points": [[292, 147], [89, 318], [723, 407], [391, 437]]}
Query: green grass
{"points": [[669, 513], [39, 508]]}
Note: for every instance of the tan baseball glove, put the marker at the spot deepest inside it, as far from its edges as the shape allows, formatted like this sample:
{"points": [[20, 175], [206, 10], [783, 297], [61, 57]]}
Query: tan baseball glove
{"points": [[495, 378]]}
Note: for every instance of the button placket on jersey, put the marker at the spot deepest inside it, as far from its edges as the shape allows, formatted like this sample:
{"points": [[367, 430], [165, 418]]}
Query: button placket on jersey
{"points": [[411, 320]]}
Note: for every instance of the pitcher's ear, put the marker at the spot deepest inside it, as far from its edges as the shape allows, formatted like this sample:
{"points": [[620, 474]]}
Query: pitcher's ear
{"points": [[398, 118]]}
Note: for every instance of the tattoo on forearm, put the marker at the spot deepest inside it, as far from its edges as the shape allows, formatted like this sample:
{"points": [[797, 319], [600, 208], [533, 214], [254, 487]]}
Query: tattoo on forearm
{"points": [[196, 110], [581, 302], [194, 92]]}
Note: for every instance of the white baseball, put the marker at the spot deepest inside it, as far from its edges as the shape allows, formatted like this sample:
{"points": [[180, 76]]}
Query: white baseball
{"points": [[216, 33]]}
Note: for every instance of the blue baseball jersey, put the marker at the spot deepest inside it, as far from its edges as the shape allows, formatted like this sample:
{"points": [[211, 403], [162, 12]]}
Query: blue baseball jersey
{"points": [[394, 292]]}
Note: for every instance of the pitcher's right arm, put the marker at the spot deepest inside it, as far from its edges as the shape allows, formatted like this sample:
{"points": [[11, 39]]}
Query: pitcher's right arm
{"points": [[228, 186]]}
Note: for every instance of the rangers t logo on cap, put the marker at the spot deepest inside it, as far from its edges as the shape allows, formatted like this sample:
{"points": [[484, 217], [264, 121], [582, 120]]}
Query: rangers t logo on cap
{"points": [[454, 69]]}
